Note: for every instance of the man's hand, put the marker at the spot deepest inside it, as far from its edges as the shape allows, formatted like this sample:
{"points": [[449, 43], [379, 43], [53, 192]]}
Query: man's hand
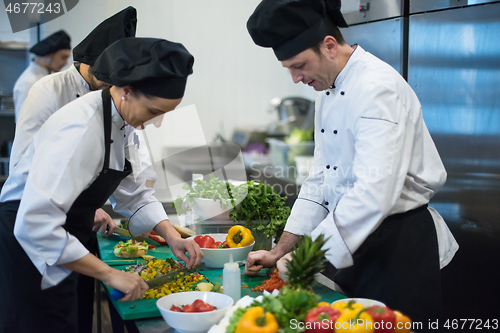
{"points": [[263, 259], [101, 221], [258, 260]]}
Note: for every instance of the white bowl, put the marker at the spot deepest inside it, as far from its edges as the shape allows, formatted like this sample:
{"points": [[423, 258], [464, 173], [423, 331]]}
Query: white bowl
{"points": [[193, 322], [216, 258], [208, 208], [363, 301]]}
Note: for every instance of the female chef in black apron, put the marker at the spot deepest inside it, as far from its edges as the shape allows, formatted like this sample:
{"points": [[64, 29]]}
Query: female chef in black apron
{"points": [[78, 162]]}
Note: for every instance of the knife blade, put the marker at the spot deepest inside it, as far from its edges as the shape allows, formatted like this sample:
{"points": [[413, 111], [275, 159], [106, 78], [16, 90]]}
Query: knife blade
{"points": [[159, 281], [126, 233]]}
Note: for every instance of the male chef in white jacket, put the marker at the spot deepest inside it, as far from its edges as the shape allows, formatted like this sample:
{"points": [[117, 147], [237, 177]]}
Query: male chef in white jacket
{"points": [[51, 55], [375, 164], [53, 92]]}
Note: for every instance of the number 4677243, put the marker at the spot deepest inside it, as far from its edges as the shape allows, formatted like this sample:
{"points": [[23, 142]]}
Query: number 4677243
{"points": [[32, 7]]}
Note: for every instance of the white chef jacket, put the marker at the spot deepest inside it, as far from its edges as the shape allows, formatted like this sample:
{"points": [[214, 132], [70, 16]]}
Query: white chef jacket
{"points": [[373, 157], [32, 74], [67, 155], [49, 95]]}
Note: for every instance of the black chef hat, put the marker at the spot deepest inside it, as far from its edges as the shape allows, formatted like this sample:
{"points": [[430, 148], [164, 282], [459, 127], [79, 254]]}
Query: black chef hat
{"points": [[57, 41], [114, 28], [154, 66], [292, 26]]}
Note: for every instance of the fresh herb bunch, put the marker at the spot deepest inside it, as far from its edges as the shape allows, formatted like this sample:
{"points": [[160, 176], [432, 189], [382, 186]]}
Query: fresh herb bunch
{"points": [[214, 189], [262, 203], [261, 206]]}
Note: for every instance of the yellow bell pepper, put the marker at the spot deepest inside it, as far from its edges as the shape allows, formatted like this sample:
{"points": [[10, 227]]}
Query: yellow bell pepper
{"points": [[351, 321], [256, 321], [239, 236], [348, 307], [403, 323]]}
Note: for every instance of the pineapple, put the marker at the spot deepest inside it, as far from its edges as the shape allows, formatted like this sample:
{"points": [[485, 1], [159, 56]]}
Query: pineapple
{"points": [[307, 260]]}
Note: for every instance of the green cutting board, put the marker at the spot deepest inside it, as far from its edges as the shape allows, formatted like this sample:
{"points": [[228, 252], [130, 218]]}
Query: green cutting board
{"points": [[146, 308], [106, 244]]}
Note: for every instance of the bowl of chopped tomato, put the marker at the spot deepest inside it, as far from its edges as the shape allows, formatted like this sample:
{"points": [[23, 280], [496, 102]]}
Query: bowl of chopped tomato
{"points": [[216, 254], [193, 311]]}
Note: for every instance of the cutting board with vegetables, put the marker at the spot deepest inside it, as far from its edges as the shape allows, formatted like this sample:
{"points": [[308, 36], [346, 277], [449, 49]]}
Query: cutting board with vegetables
{"points": [[146, 308], [106, 244]]}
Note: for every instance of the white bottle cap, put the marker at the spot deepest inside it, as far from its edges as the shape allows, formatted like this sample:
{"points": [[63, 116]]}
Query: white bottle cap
{"points": [[231, 265]]}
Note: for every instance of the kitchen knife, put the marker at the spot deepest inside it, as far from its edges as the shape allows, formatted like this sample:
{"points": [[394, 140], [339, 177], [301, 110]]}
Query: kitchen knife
{"points": [[159, 281], [126, 233]]}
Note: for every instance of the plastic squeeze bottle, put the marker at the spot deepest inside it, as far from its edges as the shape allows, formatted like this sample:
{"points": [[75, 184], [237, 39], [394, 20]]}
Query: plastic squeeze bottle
{"points": [[231, 277]]}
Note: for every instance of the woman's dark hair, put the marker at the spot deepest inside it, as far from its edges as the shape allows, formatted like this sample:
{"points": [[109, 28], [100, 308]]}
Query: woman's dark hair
{"points": [[335, 33]]}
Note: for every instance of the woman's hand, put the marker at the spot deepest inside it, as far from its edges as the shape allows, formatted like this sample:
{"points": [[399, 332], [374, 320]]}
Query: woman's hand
{"points": [[132, 285], [101, 221], [179, 248], [178, 245]]}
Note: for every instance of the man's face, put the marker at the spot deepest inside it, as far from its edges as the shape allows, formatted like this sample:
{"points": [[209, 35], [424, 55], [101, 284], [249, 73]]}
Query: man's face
{"points": [[311, 68], [94, 83], [59, 59]]}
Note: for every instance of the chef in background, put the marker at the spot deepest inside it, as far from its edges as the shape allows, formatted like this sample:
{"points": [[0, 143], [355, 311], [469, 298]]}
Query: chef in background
{"points": [[375, 164], [51, 55], [54, 91], [74, 163]]}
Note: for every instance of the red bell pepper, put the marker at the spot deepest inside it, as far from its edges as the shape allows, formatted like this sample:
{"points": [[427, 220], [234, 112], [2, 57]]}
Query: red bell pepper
{"points": [[204, 241], [321, 319], [384, 319]]}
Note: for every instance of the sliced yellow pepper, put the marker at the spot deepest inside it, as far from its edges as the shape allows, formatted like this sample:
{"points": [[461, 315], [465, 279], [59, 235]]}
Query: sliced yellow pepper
{"points": [[239, 236]]}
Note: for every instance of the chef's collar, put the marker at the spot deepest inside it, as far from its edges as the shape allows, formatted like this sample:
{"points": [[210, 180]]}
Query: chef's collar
{"points": [[39, 68], [83, 86], [358, 51], [116, 118]]}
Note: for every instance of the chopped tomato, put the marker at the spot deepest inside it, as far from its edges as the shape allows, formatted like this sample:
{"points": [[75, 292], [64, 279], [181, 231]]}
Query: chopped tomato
{"points": [[205, 307], [188, 308], [175, 308]]}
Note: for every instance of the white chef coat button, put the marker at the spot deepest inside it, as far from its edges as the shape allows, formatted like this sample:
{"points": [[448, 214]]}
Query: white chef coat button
{"points": [[77, 95], [326, 203], [335, 132], [342, 93], [328, 167], [322, 130], [112, 141], [335, 168], [327, 93]]}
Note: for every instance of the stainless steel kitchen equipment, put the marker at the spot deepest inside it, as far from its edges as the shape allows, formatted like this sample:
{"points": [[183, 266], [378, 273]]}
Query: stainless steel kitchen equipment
{"points": [[292, 112], [379, 28], [448, 52], [454, 68]]}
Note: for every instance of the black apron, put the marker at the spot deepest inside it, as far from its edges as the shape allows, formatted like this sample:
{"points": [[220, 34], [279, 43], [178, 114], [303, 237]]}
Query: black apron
{"points": [[398, 264], [25, 307]]}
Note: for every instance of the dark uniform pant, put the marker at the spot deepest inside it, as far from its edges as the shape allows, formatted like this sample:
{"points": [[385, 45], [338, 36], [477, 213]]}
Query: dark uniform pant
{"points": [[398, 264], [24, 306]]}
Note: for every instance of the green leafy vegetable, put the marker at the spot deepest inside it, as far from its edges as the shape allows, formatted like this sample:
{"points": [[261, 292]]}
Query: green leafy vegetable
{"points": [[235, 318], [263, 203], [289, 304], [298, 135]]}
